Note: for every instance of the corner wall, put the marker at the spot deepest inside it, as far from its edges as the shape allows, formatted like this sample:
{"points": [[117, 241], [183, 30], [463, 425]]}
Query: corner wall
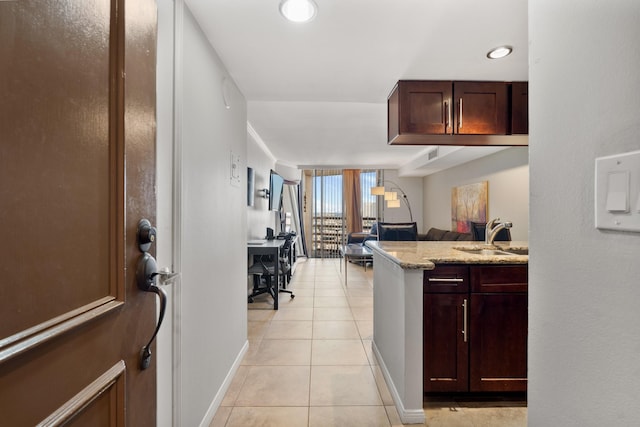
{"points": [[507, 172], [258, 216], [584, 344]]}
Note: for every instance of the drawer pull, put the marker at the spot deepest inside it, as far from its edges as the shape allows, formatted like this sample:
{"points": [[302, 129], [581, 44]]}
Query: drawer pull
{"points": [[456, 280]]}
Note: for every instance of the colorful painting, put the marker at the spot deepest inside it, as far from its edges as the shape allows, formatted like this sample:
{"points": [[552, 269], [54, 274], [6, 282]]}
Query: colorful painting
{"points": [[468, 203]]}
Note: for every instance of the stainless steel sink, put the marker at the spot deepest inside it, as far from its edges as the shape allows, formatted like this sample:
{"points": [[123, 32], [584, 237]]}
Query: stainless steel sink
{"points": [[491, 252]]}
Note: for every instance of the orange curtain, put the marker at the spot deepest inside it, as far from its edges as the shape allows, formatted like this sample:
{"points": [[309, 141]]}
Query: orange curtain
{"points": [[352, 194]]}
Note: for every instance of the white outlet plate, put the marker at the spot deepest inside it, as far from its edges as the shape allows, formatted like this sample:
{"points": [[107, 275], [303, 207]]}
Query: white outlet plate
{"points": [[618, 192]]}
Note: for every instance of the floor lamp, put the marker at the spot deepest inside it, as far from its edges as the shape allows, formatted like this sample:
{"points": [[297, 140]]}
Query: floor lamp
{"points": [[391, 196]]}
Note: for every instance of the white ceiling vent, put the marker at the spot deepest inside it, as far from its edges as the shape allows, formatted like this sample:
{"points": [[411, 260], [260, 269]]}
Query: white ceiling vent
{"points": [[433, 154]]}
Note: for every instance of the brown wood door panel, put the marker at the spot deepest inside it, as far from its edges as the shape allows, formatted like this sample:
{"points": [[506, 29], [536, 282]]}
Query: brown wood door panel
{"points": [[77, 172], [97, 404], [55, 226]]}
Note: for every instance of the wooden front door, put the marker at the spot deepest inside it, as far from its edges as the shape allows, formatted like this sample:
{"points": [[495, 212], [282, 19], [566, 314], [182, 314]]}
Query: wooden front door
{"points": [[77, 173]]}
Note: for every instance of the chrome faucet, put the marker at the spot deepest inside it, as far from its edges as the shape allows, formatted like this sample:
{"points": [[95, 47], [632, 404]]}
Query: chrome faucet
{"points": [[492, 229]]}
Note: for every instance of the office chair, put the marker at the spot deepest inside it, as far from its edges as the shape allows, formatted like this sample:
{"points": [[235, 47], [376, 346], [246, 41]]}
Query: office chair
{"points": [[264, 268], [399, 231]]}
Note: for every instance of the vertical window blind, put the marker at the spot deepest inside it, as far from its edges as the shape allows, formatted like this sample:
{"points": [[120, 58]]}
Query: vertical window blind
{"points": [[327, 216]]}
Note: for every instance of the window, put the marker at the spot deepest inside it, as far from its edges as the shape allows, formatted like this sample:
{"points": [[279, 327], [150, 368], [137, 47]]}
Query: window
{"points": [[326, 220]]}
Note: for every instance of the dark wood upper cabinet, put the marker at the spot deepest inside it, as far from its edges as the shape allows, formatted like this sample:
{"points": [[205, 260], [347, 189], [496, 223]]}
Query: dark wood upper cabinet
{"points": [[455, 113], [520, 108], [426, 107], [482, 108]]}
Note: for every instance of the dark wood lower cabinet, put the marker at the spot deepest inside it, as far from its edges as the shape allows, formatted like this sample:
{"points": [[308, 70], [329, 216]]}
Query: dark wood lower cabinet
{"points": [[498, 342], [446, 353], [475, 328]]}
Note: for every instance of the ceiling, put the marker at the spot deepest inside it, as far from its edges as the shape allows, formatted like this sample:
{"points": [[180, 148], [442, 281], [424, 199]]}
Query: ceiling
{"points": [[316, 92]]}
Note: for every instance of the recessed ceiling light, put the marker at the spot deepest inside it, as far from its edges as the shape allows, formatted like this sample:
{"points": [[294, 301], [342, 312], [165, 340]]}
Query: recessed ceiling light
{"points": [[499, 52], [298, 10]]}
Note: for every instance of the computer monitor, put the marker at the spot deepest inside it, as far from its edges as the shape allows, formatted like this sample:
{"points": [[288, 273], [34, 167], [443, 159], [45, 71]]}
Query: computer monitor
{"points": [[276, 185]]}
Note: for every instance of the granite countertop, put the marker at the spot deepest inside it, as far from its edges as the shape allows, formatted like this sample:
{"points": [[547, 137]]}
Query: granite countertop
{"points": [[426, 254]]}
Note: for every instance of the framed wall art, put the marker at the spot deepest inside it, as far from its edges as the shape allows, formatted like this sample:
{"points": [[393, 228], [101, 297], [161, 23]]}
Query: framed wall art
{"points": [[468, 204]]}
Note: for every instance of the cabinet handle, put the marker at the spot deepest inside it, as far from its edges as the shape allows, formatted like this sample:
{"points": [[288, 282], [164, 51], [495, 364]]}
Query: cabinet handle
{"points": [[464, 319], [460, 118], [435, 279], [447, 125]]}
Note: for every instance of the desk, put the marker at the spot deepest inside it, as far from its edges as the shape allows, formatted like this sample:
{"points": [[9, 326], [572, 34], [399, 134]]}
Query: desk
{"points": [[355, 250], [269, 247]]}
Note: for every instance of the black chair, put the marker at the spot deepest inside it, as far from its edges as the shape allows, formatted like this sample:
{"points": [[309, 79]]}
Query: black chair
{"points": [[398, 231], [479, 229], [263, 269]]}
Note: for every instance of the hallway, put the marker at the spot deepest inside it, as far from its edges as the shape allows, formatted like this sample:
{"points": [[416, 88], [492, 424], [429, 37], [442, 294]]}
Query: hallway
{"points": [[310, 362]]}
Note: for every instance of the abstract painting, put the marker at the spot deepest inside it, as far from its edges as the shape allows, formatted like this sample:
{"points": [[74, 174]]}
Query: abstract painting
{"points": [[468, 203]]}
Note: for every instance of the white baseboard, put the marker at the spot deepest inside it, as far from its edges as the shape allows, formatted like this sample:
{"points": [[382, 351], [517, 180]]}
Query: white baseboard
{"points": [[407, 416], [213, 408]]}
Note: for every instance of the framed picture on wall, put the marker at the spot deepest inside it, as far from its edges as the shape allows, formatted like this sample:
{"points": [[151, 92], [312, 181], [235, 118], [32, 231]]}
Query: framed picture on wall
{"points": [[468, 203]]}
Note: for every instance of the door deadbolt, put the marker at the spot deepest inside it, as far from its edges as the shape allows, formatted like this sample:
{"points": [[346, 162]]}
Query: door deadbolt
{"points": [[146, 235]]}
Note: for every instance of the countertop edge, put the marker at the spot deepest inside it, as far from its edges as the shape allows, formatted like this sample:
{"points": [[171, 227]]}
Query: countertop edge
{"points": [[425, 255], [423, 265]]}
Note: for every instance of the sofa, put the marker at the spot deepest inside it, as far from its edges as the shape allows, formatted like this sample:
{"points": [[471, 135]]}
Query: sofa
{"points": [[434, 234]]}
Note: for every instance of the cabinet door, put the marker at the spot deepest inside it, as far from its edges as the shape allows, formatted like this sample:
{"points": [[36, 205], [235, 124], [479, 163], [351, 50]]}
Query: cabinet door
{"points": [[425, 107], [520, 108], [498, 341], [446, 350], [481, 108]]}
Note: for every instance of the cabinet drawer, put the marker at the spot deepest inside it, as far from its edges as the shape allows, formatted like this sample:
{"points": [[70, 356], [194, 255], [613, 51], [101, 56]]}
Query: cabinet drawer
{"points": [[447, 278], [499, 278]]}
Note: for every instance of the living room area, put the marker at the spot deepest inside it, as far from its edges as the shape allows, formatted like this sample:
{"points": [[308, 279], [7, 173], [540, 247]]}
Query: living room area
{"points": [[329, 216]]}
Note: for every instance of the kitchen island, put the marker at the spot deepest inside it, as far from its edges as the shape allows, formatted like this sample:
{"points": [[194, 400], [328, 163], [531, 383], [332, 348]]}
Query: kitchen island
{"points": [[399, 277]]}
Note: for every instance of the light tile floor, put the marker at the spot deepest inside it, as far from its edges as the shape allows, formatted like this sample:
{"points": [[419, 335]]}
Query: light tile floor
{"points": [[310, 364]]}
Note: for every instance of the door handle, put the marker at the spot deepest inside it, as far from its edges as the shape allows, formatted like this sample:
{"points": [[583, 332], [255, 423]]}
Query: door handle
{"points": [[146, 274], [167, 276], [146, 278]]}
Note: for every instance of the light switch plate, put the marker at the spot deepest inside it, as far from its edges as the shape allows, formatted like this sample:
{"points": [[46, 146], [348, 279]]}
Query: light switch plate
{"points": [[618, 192], [234, 170]]}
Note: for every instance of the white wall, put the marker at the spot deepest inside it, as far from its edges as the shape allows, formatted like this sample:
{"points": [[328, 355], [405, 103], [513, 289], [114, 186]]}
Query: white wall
{"points": [[164, 215], [413, 188], [506, 171], [212, 319], [584, 345]]}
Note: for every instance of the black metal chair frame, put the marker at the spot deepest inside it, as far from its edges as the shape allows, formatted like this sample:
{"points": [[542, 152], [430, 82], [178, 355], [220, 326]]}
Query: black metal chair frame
{"points": [[264, 267]]}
